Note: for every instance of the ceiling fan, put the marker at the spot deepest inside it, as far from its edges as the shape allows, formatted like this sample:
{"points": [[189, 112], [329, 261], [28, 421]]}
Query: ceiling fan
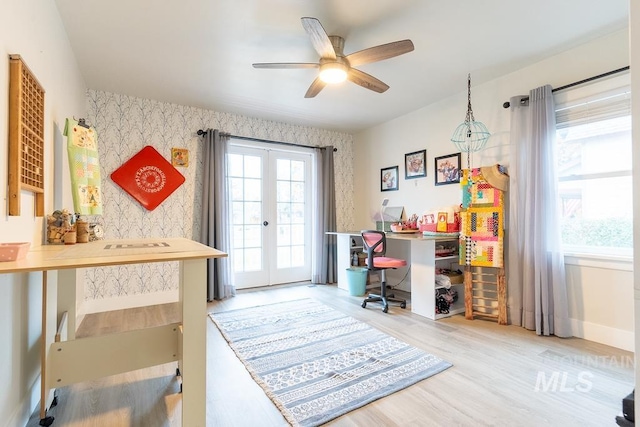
{"points": [[335, 66]]}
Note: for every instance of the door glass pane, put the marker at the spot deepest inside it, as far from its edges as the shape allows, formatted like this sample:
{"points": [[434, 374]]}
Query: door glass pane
{"points": [[253, 236], [297, 171], [284, 213], [245, 181], [284, 191], [237, 209], [283, 169], [238, 259], [238, 236], [284, 235], [253, 259], [290, 187], [297, 192], [297, 256], [253, 212], [236, 187], [252, 167], [297, 213], [234, 163], [297, 234], [253, 190], [284, 257]]}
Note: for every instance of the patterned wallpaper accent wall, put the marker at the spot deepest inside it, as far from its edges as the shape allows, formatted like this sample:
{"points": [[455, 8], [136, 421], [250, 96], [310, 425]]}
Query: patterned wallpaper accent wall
{"points": [[126, 124]]}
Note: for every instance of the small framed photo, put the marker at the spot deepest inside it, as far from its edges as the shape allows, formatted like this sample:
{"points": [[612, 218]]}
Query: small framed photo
{"points": [[180, 157], [389, 178], [415, 164], [447, 169]]}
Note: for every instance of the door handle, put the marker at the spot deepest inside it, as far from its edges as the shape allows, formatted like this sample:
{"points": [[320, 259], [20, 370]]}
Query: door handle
{"points": [[265, 223]]}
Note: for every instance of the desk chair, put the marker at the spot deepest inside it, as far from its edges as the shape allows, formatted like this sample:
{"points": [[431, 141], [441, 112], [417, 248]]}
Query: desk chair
{"points": [[375, 245]]}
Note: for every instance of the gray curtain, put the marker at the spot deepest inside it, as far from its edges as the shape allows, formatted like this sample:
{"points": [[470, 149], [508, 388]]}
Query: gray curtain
{"points": [[536, 273], [215, 214], [323, 259]]}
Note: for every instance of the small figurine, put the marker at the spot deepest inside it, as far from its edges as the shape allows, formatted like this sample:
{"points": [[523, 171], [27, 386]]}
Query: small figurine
{"points": [[66, 220]]}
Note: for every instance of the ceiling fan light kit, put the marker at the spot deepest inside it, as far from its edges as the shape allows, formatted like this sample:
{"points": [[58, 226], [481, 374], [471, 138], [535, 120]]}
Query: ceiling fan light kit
{"points": [[470, 136], [334, 66], [333, 72]]}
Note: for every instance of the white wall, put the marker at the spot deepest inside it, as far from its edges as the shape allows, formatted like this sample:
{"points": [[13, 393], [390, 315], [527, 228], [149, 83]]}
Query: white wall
{"points": [[32, 29], [634, 25], [432, 126]]}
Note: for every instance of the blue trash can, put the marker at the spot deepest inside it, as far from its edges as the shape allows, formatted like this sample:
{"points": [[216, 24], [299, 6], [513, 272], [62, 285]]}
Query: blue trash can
{"points": [[357, 280]]}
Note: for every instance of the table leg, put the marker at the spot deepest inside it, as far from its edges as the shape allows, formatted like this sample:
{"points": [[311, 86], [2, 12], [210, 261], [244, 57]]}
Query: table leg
{"points": [[343, 250], [44, 346], [193, 301], [43, 350]]}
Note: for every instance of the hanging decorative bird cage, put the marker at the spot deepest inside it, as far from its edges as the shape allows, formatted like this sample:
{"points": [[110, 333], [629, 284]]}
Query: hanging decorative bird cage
{"points": [[470, 136]]}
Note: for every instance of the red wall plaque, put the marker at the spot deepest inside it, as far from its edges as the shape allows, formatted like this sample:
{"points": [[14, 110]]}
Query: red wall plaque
{"points": [[148, 177]]}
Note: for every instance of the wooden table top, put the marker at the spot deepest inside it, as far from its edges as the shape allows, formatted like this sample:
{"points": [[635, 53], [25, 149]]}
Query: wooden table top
{"points": [[109, 252]]}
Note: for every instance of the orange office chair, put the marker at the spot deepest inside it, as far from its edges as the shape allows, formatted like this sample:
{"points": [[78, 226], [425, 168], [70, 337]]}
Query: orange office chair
{"points": [[375, 244]]}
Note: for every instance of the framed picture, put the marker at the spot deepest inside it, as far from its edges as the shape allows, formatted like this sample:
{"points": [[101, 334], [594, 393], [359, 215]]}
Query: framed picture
{"points": [[447, 169], [180, 157], [415, 164], [389, 178]]}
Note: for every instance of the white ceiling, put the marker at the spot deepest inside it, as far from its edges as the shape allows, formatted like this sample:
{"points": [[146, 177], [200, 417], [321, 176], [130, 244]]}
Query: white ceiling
{"points": [[199, 52]]}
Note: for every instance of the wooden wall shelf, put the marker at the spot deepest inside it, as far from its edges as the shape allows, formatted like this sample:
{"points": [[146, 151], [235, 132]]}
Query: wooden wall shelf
{"points": [[26, 136]]}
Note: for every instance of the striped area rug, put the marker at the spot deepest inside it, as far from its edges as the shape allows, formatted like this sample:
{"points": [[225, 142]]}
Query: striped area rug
{"points": [[316, 363]]}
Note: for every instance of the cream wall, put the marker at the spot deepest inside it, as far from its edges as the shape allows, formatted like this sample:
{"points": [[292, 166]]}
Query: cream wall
{"points": [[432, 126], [34, 30]]}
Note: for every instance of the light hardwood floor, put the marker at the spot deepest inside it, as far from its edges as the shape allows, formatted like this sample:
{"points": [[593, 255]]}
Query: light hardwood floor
{"points": [[501, 375]]}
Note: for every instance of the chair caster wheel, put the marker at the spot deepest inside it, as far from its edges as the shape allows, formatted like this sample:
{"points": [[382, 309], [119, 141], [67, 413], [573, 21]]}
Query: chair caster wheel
{"points": [[46, 421], [364, 304], [403, 305], [385, 309]]}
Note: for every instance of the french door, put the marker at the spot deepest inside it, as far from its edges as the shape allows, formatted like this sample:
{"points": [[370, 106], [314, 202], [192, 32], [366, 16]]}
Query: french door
{"points": [[270, 222]]}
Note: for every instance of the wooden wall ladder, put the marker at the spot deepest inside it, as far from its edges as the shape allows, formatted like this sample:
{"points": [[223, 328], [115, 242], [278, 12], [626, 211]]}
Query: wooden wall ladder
{"points": [[485, 293]]}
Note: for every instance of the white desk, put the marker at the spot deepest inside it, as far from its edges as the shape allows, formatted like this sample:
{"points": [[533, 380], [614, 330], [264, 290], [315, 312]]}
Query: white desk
{"points": [[74, 360], [422, 259]]}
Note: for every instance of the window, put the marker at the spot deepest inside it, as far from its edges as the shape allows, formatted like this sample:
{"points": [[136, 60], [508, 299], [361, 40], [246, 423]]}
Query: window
{"points": [[593, 139]]}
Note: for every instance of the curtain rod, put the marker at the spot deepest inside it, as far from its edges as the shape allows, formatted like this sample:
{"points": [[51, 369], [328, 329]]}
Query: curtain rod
{"points": [[246, 138], [599, 76]]}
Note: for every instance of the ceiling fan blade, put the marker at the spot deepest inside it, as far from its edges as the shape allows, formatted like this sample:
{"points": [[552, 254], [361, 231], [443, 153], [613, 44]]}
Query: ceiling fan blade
{"points": [[319, 38], [366, 81], [315, 88], [379, 53], [280, 65]]}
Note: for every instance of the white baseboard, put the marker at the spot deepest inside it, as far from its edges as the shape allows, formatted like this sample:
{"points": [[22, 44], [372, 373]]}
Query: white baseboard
{"points": [[27, 406], [21, 415], [131, 301], [618, 338]]}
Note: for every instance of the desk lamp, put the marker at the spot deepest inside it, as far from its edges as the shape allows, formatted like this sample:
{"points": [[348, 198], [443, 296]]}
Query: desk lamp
{"points": [[385, 202]]}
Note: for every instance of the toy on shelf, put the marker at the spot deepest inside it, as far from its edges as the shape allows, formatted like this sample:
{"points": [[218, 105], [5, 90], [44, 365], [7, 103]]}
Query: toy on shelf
{"points": [[441, 220], [62, 227], [408, 226]]}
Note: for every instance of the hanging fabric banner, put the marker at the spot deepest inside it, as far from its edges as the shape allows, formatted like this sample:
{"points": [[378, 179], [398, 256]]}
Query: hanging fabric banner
{"points": [[482, 216], [82, 149]]}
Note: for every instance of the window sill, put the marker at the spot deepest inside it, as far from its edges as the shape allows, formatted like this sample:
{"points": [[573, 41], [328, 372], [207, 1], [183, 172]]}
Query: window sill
{"points": [[609, 262]]}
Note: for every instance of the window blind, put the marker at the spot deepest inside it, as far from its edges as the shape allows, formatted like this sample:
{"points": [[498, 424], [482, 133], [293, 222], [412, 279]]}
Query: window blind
{"points": [[603, 99]]}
